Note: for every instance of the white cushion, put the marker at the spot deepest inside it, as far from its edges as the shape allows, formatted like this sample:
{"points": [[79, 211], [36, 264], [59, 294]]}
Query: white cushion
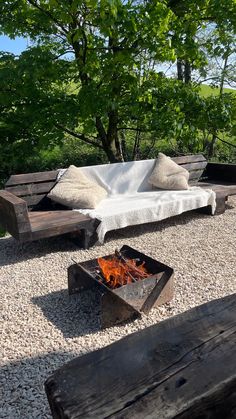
{"points": [[76, 190], [168, 175]]}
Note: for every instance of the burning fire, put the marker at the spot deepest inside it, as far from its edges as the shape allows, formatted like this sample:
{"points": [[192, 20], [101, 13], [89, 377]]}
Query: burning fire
{"points": [[118, 271]]}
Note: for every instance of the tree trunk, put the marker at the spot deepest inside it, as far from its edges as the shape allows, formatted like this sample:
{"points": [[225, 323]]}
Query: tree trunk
{"points": [[136, 148], [114, 148], [187, 72], [180, 69], [214, 135], [110, 141], [212, 145]]}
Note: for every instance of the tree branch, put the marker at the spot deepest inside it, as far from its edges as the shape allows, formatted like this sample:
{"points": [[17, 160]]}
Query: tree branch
{"points": [[101, 130], [63, 53], [132, 129], [80, 136], [226, 142], [47, 13]]}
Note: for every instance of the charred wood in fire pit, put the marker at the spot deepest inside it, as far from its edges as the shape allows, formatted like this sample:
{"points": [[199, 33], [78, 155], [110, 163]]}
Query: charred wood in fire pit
{"points": [[126, 302], [131, 267]]}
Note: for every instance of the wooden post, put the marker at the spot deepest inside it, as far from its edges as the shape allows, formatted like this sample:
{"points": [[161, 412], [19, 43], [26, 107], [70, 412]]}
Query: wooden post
{"points": [[183, 367]]}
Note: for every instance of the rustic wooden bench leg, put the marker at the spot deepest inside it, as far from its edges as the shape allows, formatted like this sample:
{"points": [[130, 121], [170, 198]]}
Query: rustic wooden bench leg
{"points": [[89, 238], [220, 207], [83, 238], [86, 237]]}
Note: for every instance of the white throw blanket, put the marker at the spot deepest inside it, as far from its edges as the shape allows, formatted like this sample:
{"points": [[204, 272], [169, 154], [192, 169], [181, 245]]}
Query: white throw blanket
{"points": [[118, 211], [132, 200]]}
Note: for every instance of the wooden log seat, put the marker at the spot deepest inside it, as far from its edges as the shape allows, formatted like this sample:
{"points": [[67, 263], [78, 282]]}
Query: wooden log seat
{"points": [[183, 367], [27, 214]]}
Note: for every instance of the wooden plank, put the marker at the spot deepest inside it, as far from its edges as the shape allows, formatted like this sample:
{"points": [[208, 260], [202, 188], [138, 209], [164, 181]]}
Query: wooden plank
{"points": [[195, 175], [32, 178], [183, 367], [189, 159], [14, 215], [53, 223], [52, 231], [195, 166], [45, 219], [31, 188], [33, 200], [222, 190]]}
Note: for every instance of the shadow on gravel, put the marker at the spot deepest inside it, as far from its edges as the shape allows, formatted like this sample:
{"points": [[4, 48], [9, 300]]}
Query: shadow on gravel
{"points": [[11, 251], [22, 385], [75, 315]]}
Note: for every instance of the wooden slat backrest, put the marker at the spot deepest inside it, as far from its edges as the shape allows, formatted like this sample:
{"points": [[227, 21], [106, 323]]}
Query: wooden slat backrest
{"points": [[36, 177], [195, 164], [32, 187]]}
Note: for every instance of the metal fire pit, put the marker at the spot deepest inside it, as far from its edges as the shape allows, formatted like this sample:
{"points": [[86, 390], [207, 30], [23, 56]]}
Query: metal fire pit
{"points": [[127, 302]]}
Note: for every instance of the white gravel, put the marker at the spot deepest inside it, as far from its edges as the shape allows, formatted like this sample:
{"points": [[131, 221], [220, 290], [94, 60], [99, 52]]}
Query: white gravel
{"points": [[42, 327]]}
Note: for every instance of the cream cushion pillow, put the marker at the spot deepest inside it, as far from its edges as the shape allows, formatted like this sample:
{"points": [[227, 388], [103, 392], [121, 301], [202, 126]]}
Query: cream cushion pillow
{"points": [[168, 175], [76, 190]]}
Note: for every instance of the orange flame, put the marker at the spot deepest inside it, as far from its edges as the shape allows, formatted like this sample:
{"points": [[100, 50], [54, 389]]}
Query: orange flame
{"points": [[118, 272]]}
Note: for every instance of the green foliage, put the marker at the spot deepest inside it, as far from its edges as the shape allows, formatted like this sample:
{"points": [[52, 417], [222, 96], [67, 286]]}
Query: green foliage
{"points": [[207, 90], [91, 73]]}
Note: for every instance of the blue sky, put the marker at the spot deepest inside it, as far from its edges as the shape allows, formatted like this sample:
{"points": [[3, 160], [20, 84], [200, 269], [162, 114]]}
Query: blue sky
{"points": [[16, 46]]}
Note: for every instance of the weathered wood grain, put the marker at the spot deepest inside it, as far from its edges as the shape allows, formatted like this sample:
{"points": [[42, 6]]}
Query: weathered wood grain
{"points": [[195, 175], [189, 159], [195, 166], [34, 200], [222, 189], [53, 223], [14, 215], [31, 188], [183, 367], [32, 178]]}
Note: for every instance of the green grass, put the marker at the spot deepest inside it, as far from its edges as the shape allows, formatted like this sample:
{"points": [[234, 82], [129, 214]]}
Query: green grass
{"points": [[208, 90]]}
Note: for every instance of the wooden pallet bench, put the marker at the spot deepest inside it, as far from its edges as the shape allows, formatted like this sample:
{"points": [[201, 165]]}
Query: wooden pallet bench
{"points": [[183, 367], [27, 214]]}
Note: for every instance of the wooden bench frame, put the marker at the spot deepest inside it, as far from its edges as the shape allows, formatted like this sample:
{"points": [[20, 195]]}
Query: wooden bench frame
{"points": [[27, 214], [183, 367]]}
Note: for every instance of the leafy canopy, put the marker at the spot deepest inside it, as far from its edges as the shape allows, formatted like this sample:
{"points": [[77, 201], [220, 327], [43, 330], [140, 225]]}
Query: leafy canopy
{"points": [[92, 69]]}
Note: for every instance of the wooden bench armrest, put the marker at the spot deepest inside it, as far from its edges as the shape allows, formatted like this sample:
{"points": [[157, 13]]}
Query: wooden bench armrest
{"points": [[12, 199], [14, 215], [221, 172]]}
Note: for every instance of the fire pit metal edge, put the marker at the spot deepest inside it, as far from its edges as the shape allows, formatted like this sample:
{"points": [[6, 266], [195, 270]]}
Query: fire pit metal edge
{"points": [[115, 308]]}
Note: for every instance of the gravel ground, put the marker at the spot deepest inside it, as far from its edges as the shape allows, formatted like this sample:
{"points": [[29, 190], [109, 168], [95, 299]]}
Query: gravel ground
{"points": [[42, 327]]}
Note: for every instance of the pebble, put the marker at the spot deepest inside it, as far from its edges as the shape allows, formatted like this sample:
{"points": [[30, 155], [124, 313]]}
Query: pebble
{"points": [[42, 327]]}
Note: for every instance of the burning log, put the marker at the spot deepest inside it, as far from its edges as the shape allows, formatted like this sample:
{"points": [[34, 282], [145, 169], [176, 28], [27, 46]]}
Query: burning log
{"points": [[122, 301], [118, 271]]}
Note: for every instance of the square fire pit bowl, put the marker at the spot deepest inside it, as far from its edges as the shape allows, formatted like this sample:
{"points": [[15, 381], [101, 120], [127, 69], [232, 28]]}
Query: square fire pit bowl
{"points": [[128, 301]]}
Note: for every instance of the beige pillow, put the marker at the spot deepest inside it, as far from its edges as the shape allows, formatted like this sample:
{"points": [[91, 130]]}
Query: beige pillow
{"points": [[168, 175], [76, 190]]}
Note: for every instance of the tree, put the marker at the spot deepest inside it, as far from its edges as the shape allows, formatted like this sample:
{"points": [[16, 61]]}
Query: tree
{"points": [[107, 40], [93, 64]]}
